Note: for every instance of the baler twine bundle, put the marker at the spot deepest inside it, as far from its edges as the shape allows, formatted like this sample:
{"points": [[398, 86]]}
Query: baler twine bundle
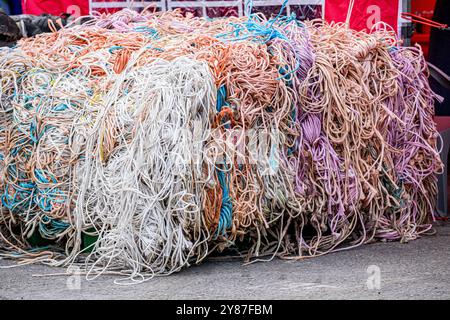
{"points": [[169, 137]]}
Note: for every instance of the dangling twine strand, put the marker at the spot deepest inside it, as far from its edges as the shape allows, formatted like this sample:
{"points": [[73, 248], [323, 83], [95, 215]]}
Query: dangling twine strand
{"points": [[349, 13]]}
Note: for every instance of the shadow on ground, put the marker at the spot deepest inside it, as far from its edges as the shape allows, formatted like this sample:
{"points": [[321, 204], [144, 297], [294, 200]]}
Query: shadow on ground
{"points": [[416, 270]]}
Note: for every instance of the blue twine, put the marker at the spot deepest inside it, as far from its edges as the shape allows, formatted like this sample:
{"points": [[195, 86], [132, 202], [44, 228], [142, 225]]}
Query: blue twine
{"points": [[49, 228], [226, 208], [26, 197], [221, 98], [114, 48], [154, 48], [257, 31], [60, 107], [152, 33]]}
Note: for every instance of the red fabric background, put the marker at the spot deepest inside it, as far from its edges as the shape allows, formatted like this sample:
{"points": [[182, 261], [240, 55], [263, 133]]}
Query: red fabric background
{"points": [[54, 7], [336, 10]]}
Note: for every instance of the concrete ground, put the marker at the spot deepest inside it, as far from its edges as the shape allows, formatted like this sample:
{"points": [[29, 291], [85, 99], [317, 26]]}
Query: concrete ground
{"points": [[417, 270]]}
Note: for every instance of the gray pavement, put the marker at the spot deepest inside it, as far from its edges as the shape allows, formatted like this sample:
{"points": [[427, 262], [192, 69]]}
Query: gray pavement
{"points": [[416, 270]]}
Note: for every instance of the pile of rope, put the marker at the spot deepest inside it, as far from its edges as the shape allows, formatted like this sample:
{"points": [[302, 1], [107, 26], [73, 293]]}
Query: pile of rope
{"points": [[168, 138]]}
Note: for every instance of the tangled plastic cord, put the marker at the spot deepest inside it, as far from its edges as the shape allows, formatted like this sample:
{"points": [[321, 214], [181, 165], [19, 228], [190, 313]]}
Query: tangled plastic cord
{"points": [[149, 181], [168, 137]]}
